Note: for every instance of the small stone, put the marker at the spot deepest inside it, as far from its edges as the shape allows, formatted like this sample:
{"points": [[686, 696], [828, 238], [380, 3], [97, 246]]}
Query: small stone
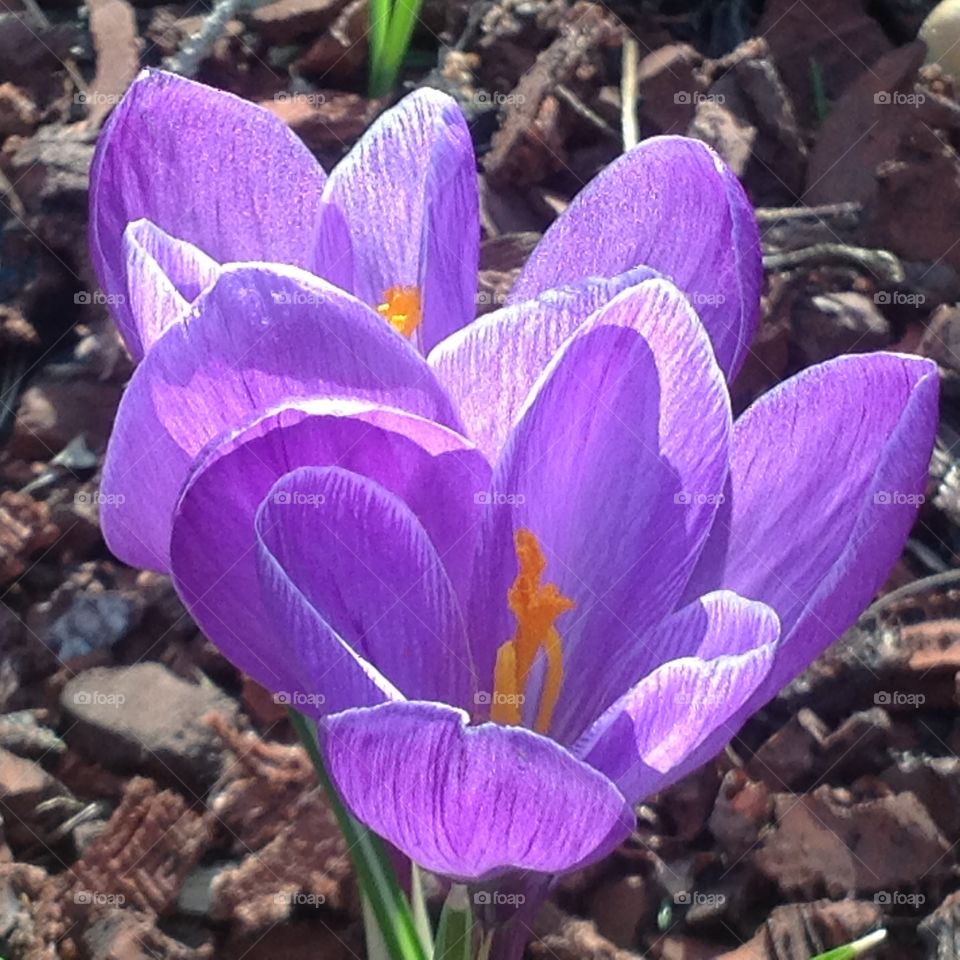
{"points": [[789, 757], [144, 718], [23, 786], [941, 33], [53, 413], [743, 808], [283, 21], [823, 842], [941, 930], [620, 908], [830, 324], [18, 113], [25, 530]]}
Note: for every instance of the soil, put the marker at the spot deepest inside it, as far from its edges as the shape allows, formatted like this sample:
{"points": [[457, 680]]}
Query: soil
{"points": [[187, 824]]}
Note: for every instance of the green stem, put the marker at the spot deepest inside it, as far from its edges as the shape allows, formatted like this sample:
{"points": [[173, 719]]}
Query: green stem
{"points": [[849, 951], [375, 873]]}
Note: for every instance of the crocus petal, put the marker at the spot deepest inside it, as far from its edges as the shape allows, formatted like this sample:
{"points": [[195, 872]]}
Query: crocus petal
{"points": [[380, 584], [616, 466], [714, 625], [490, 366], [261, 335], [207, 167], [469, 801], [407, 194], [672, 204], [433, 469], [164, 276], [647, 734], [826, 474]]}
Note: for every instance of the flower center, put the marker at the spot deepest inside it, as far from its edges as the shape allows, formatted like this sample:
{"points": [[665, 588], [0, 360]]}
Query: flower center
{"points": [[536, 606], [401, 307]]}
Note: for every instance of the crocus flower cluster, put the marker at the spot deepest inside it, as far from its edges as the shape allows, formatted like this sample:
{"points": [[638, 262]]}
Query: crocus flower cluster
{"points": [[524, 570]]}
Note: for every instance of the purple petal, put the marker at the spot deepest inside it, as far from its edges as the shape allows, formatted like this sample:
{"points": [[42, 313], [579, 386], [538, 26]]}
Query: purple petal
{"points": [[826, 474], [490, 366], [646, 735], [365, 563], [671, 204], [615, 466], [407, 194], [428, 466], [164, 276], [714, 625], [468, 802], [260, 336], [206, 167]]}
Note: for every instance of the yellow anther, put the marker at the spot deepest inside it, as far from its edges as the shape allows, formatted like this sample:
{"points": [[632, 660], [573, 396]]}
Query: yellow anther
{"points": [[401, 307], [536, 606]]}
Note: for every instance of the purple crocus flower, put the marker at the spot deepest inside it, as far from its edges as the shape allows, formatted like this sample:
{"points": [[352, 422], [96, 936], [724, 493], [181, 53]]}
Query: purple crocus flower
{"points": [[526, 570]]}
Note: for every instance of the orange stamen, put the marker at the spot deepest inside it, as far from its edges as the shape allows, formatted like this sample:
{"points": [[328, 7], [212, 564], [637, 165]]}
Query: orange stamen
{"points": [[536, 606], [401, 307]]}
